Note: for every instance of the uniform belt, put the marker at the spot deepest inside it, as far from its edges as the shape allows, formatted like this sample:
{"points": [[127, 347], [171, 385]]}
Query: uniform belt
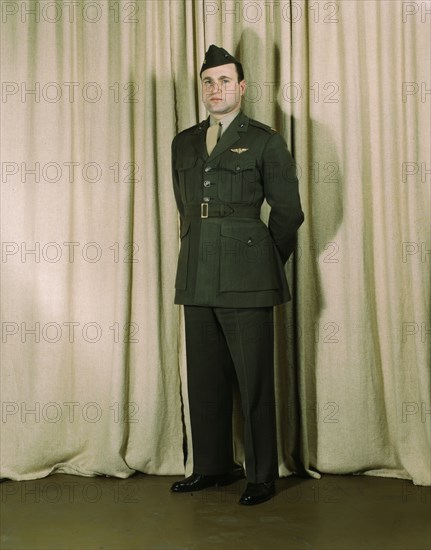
{"points": [[207, 210]]}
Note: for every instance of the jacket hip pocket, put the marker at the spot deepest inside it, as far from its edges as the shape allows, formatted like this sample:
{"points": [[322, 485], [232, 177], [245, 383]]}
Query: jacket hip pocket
{"points": [[247, 261]]}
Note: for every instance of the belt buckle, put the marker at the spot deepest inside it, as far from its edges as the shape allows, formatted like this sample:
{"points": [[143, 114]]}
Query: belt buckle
{"points": [[204, 210]]}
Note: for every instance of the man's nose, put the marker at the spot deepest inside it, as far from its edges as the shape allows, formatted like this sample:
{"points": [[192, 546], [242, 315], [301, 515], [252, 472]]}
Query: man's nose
{"points": [[216, 87]]}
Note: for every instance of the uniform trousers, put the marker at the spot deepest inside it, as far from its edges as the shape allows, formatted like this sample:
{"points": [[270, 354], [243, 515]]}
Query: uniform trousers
{"points": [[223, 344]]}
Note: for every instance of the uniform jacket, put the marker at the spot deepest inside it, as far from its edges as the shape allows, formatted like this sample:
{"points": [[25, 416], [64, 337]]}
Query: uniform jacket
{"points": [[231, 258]]}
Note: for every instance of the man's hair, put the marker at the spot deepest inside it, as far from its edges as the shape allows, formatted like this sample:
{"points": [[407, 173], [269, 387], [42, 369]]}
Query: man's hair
{"points": [[240, 71]]}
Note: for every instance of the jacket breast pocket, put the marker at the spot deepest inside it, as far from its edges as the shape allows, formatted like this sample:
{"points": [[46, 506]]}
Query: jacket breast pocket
{"points": [[186, 168], [238, 180], [183, 258], [247, 261]]}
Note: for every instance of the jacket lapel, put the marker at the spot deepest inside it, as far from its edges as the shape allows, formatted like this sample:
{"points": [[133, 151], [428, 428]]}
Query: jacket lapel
{"points": [[231, 136]]}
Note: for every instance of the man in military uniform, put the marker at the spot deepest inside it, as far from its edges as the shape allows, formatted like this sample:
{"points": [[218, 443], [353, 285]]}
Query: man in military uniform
{"points": [[230, 275]]}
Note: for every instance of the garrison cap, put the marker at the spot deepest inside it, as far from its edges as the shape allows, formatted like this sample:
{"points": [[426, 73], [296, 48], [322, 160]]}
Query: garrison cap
{"points": [[216, 56]]}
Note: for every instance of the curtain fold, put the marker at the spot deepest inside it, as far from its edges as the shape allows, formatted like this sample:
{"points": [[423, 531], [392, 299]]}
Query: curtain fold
{"points": [[93, 353]]}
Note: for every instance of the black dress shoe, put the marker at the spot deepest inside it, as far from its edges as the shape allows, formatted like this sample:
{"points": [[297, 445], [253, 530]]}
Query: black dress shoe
{"points": [[198, 482], [255, 493]]}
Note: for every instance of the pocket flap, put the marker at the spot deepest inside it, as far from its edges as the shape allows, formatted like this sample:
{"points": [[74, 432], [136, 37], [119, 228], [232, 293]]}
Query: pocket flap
{"points": [[250, 234], [185, 163], [238, 164]]}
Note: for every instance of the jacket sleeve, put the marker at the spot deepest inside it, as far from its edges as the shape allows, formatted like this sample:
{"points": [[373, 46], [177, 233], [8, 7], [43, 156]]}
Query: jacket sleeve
{"points": [[282, 194], [176, 180]]}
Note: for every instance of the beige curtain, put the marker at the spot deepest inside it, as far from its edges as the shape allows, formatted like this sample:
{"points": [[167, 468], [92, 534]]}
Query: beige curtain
{"points": [[93, 359]]}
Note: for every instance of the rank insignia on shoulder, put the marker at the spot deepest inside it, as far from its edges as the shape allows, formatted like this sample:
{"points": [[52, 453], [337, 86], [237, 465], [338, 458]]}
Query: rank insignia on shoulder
{"points": [[239, 151]]}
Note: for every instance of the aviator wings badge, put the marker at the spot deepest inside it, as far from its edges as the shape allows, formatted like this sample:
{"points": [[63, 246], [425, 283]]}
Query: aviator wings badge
{"points": [[239, 151]]}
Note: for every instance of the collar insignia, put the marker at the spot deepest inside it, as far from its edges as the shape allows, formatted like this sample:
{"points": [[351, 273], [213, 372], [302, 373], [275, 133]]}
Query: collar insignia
{"points": [[239, 151]]}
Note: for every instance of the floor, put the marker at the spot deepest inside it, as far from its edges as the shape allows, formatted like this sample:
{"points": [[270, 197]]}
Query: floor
{"points": [[336, 512]]}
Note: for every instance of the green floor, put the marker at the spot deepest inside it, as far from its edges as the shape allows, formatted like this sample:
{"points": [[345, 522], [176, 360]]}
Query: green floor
{"points": [[336, 512]]}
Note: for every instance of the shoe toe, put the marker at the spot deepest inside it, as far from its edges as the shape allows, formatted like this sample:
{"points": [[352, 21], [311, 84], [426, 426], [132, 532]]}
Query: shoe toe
{"points": [[195, 482], [256, 493]]}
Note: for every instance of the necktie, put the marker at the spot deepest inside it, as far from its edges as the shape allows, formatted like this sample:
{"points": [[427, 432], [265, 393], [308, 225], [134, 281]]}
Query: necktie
{"points": [[213, 135]]}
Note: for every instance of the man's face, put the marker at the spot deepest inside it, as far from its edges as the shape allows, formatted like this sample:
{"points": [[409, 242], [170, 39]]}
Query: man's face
{"points": [[221, 91]]}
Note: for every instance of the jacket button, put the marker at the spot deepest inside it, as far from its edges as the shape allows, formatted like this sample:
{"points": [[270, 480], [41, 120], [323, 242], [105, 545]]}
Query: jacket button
{"points": [[208, 168], [207, 183], [206, 199], [238, 168], [249, 242]]}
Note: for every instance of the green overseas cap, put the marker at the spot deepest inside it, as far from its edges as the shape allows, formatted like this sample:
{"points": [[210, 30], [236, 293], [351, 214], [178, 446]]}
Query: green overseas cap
{"points": [[216, 56]]}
